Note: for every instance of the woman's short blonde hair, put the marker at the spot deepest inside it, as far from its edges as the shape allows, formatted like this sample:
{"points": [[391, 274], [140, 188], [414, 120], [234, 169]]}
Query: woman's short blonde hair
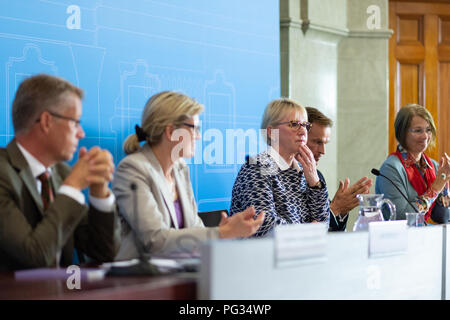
{"points": [[403, 122], [276, 110], [162, 109]]}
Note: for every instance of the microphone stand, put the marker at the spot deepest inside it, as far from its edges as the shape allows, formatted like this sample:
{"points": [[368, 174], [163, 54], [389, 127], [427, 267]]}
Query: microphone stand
{"points": [[143, 267], [378, 173]]}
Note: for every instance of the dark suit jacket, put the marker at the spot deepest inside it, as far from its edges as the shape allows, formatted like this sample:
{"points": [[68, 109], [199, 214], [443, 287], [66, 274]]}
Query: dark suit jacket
{"points": [[30, 237], [335, 224]]}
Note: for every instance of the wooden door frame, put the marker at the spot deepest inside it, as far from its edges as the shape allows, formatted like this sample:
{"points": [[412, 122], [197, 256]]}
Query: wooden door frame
{"points": [[433, 58]]}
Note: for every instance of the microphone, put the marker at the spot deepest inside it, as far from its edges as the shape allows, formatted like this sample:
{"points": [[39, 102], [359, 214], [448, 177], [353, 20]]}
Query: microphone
{"points": [[377, 173], [143, 267]]}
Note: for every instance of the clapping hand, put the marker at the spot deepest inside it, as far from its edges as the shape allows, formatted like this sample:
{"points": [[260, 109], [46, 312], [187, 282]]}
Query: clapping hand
{"points": [[443, 174], [345, 198]]}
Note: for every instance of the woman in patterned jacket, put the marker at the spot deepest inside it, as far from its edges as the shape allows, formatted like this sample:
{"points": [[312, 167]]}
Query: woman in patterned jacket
{"points": [[282, 181]]}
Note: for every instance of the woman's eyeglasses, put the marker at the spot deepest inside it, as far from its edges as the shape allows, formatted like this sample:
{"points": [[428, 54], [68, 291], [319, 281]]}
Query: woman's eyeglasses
{"points": [[297, 124], [197, 129], [419, 131]]}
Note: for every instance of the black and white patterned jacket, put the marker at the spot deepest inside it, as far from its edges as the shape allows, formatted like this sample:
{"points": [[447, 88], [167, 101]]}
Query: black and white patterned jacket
{"points": [[267, 183]]}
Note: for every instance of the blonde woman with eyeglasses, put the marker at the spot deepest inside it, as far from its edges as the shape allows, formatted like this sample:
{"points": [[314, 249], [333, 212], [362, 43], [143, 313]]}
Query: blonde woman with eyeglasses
{"points": [[422, 180], [282, 181], [153, 189]]}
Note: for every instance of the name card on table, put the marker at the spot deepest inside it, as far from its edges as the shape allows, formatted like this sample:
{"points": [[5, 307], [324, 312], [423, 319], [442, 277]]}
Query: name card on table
{"points": [[388, 238], [298, 244]]}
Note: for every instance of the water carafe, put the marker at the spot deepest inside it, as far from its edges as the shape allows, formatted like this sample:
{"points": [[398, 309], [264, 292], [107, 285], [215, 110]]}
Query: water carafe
{"points": [[370, 210]]}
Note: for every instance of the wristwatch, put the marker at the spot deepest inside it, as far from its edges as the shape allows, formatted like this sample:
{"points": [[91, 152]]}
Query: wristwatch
{"points": [[318, 185]]}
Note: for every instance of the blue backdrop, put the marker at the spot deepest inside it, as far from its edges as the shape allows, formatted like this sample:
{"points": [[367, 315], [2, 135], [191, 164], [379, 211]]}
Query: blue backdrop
{"points": [[224, 53]]}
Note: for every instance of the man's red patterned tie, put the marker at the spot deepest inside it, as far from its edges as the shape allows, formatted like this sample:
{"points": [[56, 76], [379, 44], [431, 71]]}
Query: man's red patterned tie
{"points": [[46, 191]]}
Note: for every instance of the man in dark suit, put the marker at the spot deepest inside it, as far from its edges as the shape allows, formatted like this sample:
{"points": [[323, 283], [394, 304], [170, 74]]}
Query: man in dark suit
{"points": [[44, 219], [345, 198]]}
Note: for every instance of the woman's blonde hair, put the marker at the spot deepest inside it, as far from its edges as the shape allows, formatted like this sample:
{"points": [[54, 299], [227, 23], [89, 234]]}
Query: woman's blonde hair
{"points": [[276, 110], [161, 110], [403, 122]]}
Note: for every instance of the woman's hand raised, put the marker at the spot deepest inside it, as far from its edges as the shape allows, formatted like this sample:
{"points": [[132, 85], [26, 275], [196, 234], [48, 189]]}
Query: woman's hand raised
{"points": [[306, 158], [242, 224]]}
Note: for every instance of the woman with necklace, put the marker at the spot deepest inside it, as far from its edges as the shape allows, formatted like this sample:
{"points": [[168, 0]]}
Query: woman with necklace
{"points": [[424, 181]]}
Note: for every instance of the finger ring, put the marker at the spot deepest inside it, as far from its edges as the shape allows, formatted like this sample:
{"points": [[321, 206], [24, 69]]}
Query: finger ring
{"points": [[443, 176]]}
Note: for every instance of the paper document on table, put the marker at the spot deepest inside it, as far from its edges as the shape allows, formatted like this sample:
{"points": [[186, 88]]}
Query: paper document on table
{"points": [[185, 264], [123, 263], [164, 265], [88, 274]]}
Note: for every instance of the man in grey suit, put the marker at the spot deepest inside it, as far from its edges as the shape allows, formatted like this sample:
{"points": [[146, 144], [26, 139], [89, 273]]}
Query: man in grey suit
{"points": [[44, 219]]}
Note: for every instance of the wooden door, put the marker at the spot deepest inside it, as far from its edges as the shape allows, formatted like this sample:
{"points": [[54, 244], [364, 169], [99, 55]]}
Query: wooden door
{"points": [[419, 65]]}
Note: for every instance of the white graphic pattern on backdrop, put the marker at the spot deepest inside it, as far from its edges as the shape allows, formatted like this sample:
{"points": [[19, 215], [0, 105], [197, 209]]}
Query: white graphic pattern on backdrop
{"points": [[120, 56]]}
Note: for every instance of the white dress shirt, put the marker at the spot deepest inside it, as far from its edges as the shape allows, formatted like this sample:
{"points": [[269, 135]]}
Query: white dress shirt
{"points": [[281, 163]]}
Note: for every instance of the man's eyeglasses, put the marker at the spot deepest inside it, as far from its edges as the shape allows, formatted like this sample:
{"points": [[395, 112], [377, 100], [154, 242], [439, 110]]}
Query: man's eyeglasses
{"points": [[419, 131], [297, 124], [193, 126], [75, 121]]}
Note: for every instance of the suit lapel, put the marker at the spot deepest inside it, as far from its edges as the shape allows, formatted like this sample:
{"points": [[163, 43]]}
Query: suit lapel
{"points": [[19, 162], [160, 181], [56, 179]]}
